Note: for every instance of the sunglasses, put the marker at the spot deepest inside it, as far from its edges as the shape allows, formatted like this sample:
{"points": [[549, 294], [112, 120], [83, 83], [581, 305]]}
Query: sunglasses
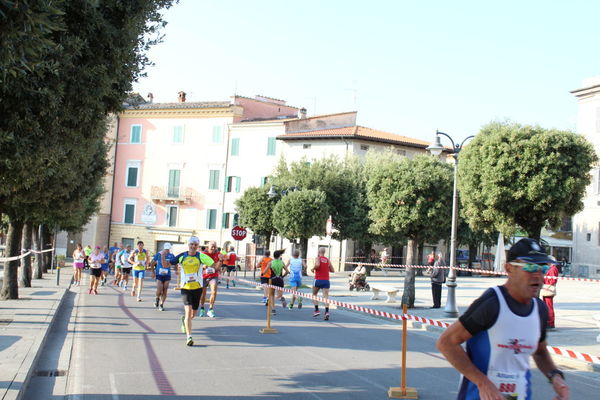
{"points": [[530, 267]]}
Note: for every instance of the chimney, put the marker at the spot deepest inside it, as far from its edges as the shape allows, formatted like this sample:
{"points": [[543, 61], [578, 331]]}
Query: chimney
{"points": [[302, 113], [181, 96], [150, 97]]}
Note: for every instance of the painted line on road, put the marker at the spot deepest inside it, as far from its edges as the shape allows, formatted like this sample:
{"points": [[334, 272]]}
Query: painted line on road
{"points": [[113, 386]]}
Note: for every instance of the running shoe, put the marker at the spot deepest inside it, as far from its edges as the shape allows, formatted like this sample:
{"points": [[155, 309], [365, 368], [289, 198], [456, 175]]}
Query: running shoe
{"points": [[156, 302], [139, 299], [316, 313], [102, 283], [182, 324], [273, 312], [283, 302], [291, 305], [161, 308], [201, 313], [125, 288], [211, 313], [89, 291], [300, 304], [133, 292], [326, 317], [189, 341], [95, 291], [264, 300], [233, 283]]}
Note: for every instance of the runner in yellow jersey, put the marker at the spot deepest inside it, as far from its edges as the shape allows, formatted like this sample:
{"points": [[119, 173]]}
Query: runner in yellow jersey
{"points": [[189, 274], [139, 260]]}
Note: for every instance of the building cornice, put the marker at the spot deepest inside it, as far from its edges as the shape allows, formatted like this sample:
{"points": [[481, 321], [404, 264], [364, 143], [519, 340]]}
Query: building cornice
{"points": [[586, 91], [225, 112]]}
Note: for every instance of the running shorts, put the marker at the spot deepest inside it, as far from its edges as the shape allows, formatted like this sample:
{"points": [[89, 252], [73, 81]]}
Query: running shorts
{"points": [[230, 268], [210, 281], [264, 281], [104, 267], [78, 265], [295, 282], [163, 278], [277, 281], [95, 271], [191, 297], [139, 274], [126, 271], [321, 284]]}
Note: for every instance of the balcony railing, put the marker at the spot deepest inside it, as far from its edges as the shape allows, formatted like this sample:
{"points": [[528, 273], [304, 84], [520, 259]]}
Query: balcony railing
{"points": [[169, 194]]}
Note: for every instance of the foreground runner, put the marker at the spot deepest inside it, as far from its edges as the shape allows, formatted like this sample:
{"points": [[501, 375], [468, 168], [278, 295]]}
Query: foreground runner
{"points": [[211, 276], [78, 257], [265, 274], [116, 260], [190, 282], [95, 260], [229, 260], [321, 269], [279, 272], [138, 259], [126, 266], [296, 266], [162, 274]]}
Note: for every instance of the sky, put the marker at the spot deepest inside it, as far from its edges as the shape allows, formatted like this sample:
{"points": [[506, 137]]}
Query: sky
{"points": [[407, 67]]}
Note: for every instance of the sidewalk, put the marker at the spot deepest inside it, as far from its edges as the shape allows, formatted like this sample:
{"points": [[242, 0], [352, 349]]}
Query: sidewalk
{"points": [[575, 305], [24, 325]]}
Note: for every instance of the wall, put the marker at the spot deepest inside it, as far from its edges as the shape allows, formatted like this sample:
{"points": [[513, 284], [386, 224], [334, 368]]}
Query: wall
{"points": [[322, 122]]}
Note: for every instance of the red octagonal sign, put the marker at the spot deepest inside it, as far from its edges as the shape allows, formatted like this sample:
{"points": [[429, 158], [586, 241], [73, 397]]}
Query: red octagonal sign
{"points": [[238, 233]]}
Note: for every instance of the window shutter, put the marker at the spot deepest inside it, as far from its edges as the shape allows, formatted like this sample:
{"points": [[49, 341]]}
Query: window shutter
{"points": [[238, 184], [235, 147], [173, 189], [132, 176], [129, 213]]}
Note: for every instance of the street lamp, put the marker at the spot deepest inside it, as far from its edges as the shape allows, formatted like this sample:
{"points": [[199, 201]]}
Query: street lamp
{"points": [[436, 149]]}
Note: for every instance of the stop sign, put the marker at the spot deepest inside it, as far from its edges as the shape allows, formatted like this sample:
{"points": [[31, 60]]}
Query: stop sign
{"points": [[238, 233]]}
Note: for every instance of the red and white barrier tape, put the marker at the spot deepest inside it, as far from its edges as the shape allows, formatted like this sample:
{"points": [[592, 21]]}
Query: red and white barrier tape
{"points": [[14, 258], [560, 351]]}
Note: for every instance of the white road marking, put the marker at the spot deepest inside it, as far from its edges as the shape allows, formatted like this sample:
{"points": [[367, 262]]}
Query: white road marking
{"points": [[113, 386]]}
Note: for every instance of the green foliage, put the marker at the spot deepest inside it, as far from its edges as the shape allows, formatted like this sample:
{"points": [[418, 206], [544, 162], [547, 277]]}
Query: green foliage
{"points": [[301, 214], [409, 198], [517, 175], [256, 210]]}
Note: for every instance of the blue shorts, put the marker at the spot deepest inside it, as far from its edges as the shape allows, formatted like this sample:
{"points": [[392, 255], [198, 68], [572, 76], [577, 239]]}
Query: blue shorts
{"points": [[104, 267], [296, 282], [139, 274], [321, 284], [163, 278]]}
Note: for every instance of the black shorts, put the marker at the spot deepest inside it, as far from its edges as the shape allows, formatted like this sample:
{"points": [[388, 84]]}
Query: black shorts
{"points": [[191, 297], [96, 271], [277, 281], [264, 280], [126, 271], [230, 268]]}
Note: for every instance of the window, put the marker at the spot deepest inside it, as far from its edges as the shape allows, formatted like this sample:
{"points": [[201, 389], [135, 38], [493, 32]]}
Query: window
{"points": [[172, 216], [364, 147], [173, 188], [213, 180], [271, 146], [217, 136], [178, 134], [588, 237], [133, 168], [306, 146], [129, 211], [233, 183], [236, 219], [401, 152], [235, 147], [128, 242], [136, 134], [226, 219], [211, 219]]}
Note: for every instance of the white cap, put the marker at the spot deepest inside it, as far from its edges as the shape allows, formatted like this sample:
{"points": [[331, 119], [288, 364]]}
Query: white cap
{"points": [[194, 239], [167, 246]]}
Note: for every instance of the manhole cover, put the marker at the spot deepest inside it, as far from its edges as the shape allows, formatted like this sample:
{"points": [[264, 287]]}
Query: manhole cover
{"points": [[51, 372]]}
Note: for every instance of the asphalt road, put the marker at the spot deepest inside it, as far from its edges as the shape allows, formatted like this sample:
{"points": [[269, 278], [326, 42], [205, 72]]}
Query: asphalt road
{"points": [[111, 347]]}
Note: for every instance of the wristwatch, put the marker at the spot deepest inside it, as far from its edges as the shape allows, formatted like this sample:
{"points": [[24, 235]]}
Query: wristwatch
{"points": [[553, 373]]}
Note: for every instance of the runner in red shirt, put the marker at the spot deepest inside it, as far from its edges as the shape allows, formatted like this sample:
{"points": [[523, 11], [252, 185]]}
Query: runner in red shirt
{"points": [[211, 278], [229, 263], [321, 269]]}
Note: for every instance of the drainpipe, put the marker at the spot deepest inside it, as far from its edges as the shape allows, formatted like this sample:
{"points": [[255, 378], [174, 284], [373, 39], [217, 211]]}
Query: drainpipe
{"points": [[112, 193], [223, 198]]}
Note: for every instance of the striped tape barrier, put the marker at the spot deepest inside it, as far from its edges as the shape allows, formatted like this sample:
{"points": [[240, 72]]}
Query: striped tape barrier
{"points": [[14, 258], [560, 351]]}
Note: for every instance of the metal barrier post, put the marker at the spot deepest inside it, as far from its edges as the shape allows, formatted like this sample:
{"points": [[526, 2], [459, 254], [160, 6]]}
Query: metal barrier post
{"points": [[403, 392]]}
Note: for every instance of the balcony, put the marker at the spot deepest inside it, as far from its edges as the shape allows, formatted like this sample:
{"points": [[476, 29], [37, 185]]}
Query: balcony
{"points": [[172, 195]]}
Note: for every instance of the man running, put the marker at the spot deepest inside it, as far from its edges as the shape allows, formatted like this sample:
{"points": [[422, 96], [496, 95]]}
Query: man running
{"points": [[138, 259], [211, 277], [229, 260], [321, 269], [190, 282], [126, 266], [296, 266], [105, 266], [265, 274], [95, 260], [279, 272], [117, 263], [162, 273]]}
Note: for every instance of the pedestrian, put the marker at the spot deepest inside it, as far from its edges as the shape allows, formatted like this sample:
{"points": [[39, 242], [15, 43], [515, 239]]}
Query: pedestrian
{"points": [[431, 258], [229, 260], [96, 259], [105, 266], [138, 259], [549, 291], [385, 257], [210, 276], [438, 277], [359, 273], [502, 329], [190, 282], [162, 273], [126, 266], [321, 269], [279, 271], [296, 266], [86, 261], [78, 263], [265, 274]]}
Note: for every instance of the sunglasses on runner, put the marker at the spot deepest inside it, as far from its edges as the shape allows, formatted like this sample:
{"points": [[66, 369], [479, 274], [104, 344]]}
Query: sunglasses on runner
{"points": [[530, 267]]}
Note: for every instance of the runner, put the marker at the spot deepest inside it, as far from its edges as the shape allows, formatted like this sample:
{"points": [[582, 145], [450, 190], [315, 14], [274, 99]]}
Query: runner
{"points": [[296, 266], [162, 274], [265, 274], [78, 257], [95, 261], [105, 266], [321, 269], [125, 266], [229, 260], [111, 256], [279, 271], [190, 282], [210, 276], [86, 261], [138, 259], [116, 260]]}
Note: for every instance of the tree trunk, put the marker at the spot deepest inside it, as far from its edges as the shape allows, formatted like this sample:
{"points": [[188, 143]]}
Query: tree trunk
{"points": [[10, 284], [38, 272], [408, 295], [26, 261], [472, 255], [46, 244]]}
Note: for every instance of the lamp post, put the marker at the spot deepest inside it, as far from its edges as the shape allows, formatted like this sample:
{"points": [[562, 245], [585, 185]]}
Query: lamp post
{"points": [[436, 150]]}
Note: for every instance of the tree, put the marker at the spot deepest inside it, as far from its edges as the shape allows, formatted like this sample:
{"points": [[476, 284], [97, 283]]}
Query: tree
{"points": [[471, 238], [302, 215], [518, 175], [410, 200], [255, 209]]}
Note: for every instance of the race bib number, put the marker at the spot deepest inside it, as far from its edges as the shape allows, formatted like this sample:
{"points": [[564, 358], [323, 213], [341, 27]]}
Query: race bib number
{"points": [[210, 270], [507, 384], [163, 271], [190, 278]]}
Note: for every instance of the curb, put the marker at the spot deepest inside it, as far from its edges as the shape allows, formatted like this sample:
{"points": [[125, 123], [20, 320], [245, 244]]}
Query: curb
{"points": [[17, 387], [415, 325]]}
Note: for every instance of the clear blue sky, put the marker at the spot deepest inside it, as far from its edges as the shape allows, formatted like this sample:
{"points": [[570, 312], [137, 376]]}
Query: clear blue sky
{"points": [[407, 67]]}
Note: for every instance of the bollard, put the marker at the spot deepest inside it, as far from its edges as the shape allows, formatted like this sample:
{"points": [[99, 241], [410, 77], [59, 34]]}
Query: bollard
{"points": [[57, 275], [403, 392], [268, 329]]}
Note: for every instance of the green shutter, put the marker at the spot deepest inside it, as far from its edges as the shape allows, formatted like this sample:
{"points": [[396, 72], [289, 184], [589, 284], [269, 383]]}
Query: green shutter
{"points": [[132, 173], [211, 220], [129, 213], [235, 147], [227, 184], [271, 146], [173, 189], [136, 134], [236, 219], [214, 179], [238, 184], [217, 134], [178, 134]]}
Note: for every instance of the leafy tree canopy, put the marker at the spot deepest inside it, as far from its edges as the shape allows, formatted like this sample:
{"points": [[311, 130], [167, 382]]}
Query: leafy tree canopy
{"points": [[301, 214], [256, 210]]}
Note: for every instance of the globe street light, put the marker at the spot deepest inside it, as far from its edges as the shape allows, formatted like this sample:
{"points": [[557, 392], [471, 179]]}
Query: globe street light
{"points": [[436, 149]]}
